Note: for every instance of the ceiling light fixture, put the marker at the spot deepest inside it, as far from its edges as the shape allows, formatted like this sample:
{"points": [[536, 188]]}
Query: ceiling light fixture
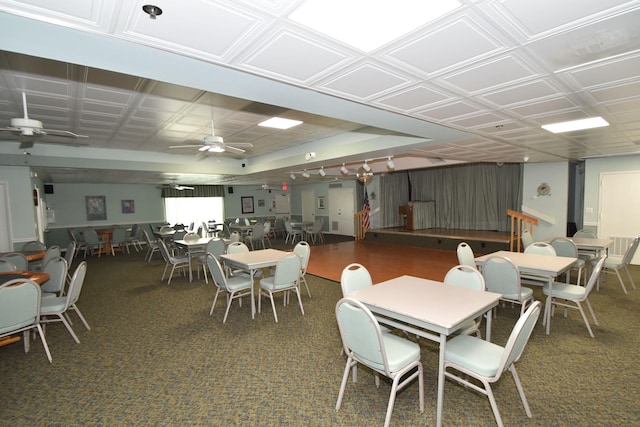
{"points": [[280, 123], [305, 174], [390, 163], [292, 176], [321, 172], [216, 149], [590, 123], [152, 10], [366, 166], [344, 169]]}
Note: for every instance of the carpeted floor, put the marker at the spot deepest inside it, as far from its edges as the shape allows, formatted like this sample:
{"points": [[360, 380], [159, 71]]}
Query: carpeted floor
{"points": [[154, 356]]}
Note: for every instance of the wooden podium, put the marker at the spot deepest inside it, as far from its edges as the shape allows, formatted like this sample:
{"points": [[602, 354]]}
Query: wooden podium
{"points": [[417, 215]]}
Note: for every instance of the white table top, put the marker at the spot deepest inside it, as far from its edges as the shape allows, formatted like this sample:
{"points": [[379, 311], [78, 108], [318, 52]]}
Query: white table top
{"points": [[426, 303], [203, 241], [594, 244], [533, 263], [254, 259]]}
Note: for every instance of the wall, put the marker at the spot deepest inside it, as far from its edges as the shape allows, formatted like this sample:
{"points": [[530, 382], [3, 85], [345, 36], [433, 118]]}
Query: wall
{"points": [[233, 202], [21, 208], [552, 209]]}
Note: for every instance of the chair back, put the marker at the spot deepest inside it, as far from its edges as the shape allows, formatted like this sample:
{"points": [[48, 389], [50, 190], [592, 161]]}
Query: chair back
{"points": [[166, 229], [236, 247], [501, 276], [465, 276], [179, 235], [631, 251], [6, 266], [75, 286], [540, 248], [287, 271], [595, 274], [267, 228], [119, 235], [564, 247], [56, 268], [247, 222], [91, 236], [33, 245], [519, 337], [234, 237], [354, 276], [287, 227], [147, 239], [191, 236], [70, 253], [217, 274], [52, 252], [465, 255], [257, 231], [527, 238], [19, 260], [216, 247], [164, 251], [361, 334], [19, 305], [303, 250], [587, 234]]}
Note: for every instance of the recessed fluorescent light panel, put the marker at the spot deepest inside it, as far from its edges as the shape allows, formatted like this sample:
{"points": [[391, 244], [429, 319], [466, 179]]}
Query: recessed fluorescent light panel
{"points": [[590, 123], [280, 123], [366, 24]]}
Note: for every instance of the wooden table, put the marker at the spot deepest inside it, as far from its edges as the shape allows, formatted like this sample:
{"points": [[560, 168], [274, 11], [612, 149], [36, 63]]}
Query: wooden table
{"points": [[543, 265], [30, 255], [428, 309], [252, 261], [35, 276]]}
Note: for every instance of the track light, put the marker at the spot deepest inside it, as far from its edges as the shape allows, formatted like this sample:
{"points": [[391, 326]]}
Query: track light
{"points": [[292, 176], [390, 163], [305, 174], [344, 170], [366, 166], [321, 172]]}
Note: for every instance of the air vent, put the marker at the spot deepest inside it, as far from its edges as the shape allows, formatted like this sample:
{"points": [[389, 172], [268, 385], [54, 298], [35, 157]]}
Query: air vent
{"points": [[336, 185]]}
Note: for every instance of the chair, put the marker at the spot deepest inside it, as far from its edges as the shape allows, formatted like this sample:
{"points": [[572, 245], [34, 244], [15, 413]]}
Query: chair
{"points": [[190, 236], [354, 276], [486, 361], [268, 232], [118, 240], [466, 276], [539, 248], [166, 229], [615, 263], [69, 255], [315, 231], [257, 235], [78, 238], [303, 250], [563, 293], [215, 247], [54, 309], [286, 278], [587, 234], [51, 253], [565, 247], [6, 266], [292, 233], [152, 246], [93, 241], [133, 239], [364, 342], [236, 287], [18, 260], [33, 245], [175, 261], [57, 269], [20, 311], [527, 239], [234, 237], [465, 255], [278, 228], [586, 254], [235, 247], [503, 277]]}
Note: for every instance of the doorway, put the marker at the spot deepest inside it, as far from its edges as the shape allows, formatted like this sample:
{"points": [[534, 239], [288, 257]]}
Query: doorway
{"points": [[341, 211]]}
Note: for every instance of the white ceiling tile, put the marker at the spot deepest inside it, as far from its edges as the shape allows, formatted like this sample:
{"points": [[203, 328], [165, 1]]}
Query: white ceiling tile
{"points": [[616, 92], [449, 111], [413, 98], [608, 72], [544, 107], [478, 121], [521, 93], [365, 81]]}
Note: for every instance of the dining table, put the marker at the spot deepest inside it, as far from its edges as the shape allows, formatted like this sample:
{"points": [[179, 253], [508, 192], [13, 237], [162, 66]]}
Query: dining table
{"points": [[38, 277], [193, 247], [252, 261], [597, 246], [547, 266], [428, 309], [29, 255]]}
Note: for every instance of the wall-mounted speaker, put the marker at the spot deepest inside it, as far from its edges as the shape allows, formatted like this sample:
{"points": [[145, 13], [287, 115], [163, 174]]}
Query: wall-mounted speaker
{"points": [[48, 189], [230, 190]]}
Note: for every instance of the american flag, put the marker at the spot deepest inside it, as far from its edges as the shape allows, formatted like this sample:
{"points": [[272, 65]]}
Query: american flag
{"points": [[365, 219]]}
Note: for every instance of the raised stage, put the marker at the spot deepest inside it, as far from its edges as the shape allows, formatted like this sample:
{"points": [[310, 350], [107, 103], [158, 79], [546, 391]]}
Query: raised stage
{"points": [[481, 241]]}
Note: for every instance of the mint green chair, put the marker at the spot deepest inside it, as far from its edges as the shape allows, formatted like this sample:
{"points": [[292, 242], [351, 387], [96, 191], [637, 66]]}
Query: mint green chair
{"points": [[465, 276], [236, 287], [503, 277], [616, 263], [364, 342], [486, 361], [565, 247], [465, 255], [285, 279]]}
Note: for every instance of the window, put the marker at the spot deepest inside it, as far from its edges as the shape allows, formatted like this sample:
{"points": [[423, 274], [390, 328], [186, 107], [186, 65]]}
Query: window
{"points": [[185, 210]]}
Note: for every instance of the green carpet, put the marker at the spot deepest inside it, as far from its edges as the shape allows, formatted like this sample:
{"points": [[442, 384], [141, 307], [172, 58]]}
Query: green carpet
{"points": [[154, 356]]}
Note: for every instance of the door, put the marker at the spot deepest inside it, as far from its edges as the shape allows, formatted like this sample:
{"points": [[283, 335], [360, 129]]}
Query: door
{"points": [[341, 211], [282, 205], [619, 208], [6, 244], [308, 206]]}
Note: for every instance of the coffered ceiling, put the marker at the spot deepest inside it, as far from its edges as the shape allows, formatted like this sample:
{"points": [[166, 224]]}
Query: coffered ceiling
{"points": [[473, 85]]}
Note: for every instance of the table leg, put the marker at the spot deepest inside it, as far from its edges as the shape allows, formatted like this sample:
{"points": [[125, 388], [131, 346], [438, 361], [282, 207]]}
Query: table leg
{"points": [[488, 316], [190, 272], [548, 305], [440, 400], [253, 300]]}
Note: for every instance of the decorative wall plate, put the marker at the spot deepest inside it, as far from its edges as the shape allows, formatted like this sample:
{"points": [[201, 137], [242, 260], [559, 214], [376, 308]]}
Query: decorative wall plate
{"points": [[544, 189]]}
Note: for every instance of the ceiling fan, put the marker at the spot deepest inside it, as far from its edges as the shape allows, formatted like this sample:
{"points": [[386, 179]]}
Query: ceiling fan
{"points": [[27, 130], [176, 186], [215, 144]]}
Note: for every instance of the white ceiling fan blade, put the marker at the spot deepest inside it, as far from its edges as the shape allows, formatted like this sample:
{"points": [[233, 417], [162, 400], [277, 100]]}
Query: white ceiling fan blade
{"points": [[186, 146], [240, 144], [66, 133], [234, 149]]}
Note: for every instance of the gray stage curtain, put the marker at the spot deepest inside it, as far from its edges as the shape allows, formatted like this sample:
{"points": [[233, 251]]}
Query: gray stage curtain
{"points": [[470, 196], [395, 187], [198, 191]]}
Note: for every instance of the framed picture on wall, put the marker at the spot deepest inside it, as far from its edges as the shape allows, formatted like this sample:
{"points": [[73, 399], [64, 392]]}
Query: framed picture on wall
{"points": [[247, 204], [322, 202], [261, 203], [96, 208], [128, 206]]}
